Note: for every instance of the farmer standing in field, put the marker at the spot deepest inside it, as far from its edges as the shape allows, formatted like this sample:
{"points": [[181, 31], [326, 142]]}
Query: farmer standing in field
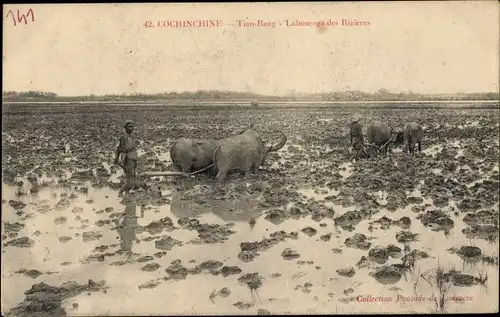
{"points": [[357, 139], [127, 147]]}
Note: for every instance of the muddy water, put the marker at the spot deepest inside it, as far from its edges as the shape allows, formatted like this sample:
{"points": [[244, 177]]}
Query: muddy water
{"points": [[80, 236], [191, 295], [278, 294], [436, 244]]}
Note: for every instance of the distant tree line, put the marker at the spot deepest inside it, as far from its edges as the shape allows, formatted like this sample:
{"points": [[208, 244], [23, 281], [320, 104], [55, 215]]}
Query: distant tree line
{"points": [[28, 94], [381, 95]]}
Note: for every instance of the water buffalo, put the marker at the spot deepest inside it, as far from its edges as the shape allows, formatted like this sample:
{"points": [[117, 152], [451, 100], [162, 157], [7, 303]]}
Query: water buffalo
{"points": [[379, 134], [411, 134], [244, 152], [189, 155]]}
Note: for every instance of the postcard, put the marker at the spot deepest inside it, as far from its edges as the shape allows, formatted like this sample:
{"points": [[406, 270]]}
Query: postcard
{"points": [[250, 158]]}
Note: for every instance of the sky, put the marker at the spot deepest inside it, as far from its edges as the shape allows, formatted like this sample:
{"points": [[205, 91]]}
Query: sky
{"points": [[423, 47]]}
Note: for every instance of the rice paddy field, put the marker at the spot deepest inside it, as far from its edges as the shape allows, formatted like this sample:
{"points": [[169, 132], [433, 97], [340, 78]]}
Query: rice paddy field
{"points": [[310, 233]]}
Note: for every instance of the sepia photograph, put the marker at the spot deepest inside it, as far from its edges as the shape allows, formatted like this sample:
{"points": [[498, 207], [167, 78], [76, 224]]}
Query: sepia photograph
{"points": [[250, 158]]}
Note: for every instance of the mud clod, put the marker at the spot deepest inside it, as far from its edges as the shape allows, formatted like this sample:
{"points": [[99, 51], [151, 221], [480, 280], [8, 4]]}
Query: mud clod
{"points": [[65, 239], [214, 233], [459, 279], [31, 273], [160, 254], [483, 217], [13, 227], [244, 306], [150, 267], [167, 243], [415, 200], [351, 218], [145, 259], [177, 271], [485, 232], [406, 237], [387, 274], [101, 223], [364, 263], [149, 285], [437, 220], [45, 300], [91, 236], [23, 242], [380, 254], [413, 256], [225, 292], [157, 227], [385, 222], [276, 216], [210, 265], [249, 250], [289, 254], [230, 270], [17, 205], [309, 231], [348, 291], [347, 272], [358, 241], [76, 210], [326, 237], [247, 256], [469, 251], [60, 220], [252, 280]]}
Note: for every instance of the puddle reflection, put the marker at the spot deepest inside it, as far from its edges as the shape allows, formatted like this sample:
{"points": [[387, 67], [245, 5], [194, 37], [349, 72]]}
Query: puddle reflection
{"points": [[127, 228]]}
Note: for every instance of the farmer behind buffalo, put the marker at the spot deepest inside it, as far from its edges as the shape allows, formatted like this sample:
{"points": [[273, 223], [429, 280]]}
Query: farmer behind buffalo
{"points": [[357, 140], [126, 148]]}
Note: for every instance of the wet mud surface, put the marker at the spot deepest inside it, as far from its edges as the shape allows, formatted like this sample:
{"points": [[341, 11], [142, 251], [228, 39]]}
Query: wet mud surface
{"points": [[310, 233]]}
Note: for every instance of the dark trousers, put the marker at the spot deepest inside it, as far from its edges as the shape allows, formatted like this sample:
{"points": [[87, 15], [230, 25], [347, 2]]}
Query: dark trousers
{"points": [[358, 146], [130, 167]]}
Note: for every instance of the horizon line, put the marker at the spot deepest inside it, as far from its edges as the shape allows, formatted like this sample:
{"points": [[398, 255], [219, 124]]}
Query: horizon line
{"points": [[295, 94]]}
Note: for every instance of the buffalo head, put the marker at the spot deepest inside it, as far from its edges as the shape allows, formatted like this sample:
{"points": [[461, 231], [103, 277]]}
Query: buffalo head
{"points": [[399, 138], [279, 145], [273, 148]]}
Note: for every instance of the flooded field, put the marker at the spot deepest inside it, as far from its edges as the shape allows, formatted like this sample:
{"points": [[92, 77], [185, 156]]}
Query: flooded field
{"points": [[311, 233]]}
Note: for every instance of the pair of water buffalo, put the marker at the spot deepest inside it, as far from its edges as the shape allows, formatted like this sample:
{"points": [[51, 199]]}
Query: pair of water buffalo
{"points": [[243, 152], [246, 152], [382, 135]]}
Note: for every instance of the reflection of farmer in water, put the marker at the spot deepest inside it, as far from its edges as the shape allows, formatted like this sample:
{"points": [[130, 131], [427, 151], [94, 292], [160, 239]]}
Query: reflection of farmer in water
{"points": [[126, 229], [127, 149]]}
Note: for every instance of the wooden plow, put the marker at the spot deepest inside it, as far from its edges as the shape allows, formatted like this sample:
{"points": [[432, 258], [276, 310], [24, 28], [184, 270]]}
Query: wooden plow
{"points": [[187, 175], [163, 173], [376, 147]]}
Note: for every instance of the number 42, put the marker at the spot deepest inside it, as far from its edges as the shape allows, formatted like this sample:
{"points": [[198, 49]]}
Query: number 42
{"points": [[148, 24]]}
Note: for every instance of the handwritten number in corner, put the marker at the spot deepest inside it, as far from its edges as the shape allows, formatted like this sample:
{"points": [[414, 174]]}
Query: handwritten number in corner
{"points": [[21, 17]]}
